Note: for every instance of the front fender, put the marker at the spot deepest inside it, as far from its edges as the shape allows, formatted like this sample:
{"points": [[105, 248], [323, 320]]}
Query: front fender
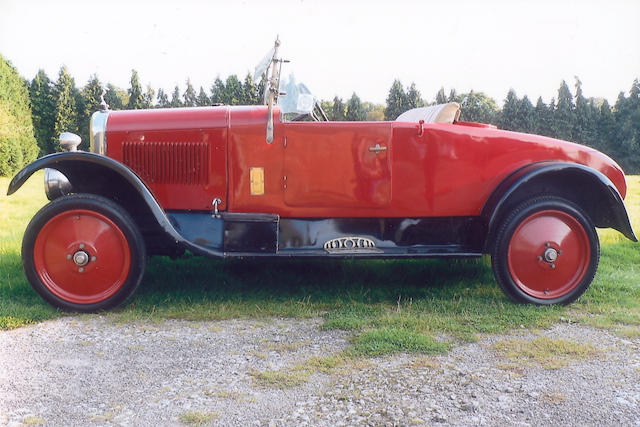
{"points": [[588, 188], [97, 174]]}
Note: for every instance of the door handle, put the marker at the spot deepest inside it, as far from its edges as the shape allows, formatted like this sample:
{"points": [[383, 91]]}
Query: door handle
{"points": [[378, 148]]}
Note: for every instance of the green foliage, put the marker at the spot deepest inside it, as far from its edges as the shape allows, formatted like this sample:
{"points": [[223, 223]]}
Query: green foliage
{"points": [[43, 112], [163, 99], [217, 91], [66, 96], [413, 98], [396, 101], [543, 118], [375, 112], [175, 98], [510, 110], [355, 110], [116, 98], [17, 142], [563, 114], [136, 101], [477, 107], [189, 95], [441, 98], [203, 99], [338, 110], [91, 96], [233, 91], [453, 96], [148, 97], [250, 95]]}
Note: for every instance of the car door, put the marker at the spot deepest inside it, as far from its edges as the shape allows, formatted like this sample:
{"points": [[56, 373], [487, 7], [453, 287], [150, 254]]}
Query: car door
{"points": [[337, 164]]}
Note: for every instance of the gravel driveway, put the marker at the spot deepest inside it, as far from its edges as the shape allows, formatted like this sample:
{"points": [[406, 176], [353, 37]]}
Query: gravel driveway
{"points": [[93, 371]]}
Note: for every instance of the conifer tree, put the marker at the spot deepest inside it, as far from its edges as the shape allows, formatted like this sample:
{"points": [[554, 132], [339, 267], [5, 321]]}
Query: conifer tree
{"points": [[163, 99], [203, 99], [17, 143], [43, 112], [355, 110], [582, 125], [564, 116], [91, 98], [542, 118], [396, 101], [249, 91], [189, 95], [136, 101], [116, 98], [526, 118], [453, 96], [337, 112], [217, 91], [607, 129], [413, 98], [553, 131], [232, 91], [510, 112], [66, 100], [441, 98], [175, 98], [148, 97]]}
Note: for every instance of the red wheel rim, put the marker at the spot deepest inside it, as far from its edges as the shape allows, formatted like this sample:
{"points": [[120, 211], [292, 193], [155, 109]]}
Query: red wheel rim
{"points": [[549, 254], [61, 263]]}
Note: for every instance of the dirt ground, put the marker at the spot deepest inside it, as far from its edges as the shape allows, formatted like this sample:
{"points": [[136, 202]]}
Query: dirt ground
{"points": [[93, 371]]}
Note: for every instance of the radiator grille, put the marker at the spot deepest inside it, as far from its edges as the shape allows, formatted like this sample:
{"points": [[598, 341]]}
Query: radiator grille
{"points": [[168, 162]]}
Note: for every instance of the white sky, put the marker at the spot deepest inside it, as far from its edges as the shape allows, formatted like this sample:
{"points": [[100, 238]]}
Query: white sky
{"points": [[337, 47]]}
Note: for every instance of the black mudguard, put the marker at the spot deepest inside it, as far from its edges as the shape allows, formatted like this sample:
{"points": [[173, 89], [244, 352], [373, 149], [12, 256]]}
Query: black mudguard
{"points": [[588, 188], [84, 169]]}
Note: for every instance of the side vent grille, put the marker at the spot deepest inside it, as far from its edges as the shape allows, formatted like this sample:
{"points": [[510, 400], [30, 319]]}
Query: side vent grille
{"points": [[168, 162]]}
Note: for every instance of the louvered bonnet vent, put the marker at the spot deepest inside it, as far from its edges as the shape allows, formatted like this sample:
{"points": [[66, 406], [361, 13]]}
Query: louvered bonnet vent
{"points": [[183, 163]]}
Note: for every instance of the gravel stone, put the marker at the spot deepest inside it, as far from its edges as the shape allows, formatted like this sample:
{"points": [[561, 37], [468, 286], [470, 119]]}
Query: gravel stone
{"points": [[90, 370]]}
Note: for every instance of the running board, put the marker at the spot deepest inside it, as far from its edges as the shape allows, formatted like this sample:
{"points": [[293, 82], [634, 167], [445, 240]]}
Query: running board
{"points": [[259, 235]]}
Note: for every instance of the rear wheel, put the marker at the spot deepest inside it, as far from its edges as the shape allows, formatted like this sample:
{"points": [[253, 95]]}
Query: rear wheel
{"points": [[83, 253], [546, 252]]}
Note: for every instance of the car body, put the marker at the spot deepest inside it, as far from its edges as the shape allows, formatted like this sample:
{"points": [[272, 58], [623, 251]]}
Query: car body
{"points": [[241, 181]]}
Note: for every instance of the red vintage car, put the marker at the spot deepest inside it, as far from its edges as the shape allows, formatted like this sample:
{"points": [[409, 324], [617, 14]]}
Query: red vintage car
{"points": [[279, 180]]}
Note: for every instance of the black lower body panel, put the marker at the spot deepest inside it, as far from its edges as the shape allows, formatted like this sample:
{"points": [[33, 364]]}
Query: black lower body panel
{"points": [[258, 235]]}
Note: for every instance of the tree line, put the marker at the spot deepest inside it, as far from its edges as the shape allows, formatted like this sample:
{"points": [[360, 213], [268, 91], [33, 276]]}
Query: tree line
{"points": [[33, 113]]}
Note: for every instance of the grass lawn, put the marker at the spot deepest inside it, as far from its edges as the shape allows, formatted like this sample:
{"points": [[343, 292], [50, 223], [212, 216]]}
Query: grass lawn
{"points": [[418, 306]]}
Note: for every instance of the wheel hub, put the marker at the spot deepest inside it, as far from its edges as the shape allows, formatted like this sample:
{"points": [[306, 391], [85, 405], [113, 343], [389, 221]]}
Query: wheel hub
{"points": [[550, 255], [81, 258]]}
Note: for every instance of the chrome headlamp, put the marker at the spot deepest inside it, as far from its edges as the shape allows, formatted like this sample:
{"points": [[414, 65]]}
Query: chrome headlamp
{"points": [[56, 184], [98, 138]]}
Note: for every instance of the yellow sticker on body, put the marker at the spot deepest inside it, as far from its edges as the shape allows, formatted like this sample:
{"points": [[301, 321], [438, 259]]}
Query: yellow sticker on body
{"points": [[257, 181]]}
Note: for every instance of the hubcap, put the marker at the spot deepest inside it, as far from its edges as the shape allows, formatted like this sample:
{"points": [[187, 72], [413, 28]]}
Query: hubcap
{"points": [[548, 254], [82, 257]]}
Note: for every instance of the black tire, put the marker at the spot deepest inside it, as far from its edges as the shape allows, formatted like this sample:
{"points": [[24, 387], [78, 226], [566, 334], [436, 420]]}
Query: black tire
{"points": [[546, 252], [83, 253]]}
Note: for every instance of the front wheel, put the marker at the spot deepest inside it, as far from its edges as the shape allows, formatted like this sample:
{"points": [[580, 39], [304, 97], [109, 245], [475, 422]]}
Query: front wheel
{"points": [[546, 252], [83, 253]]}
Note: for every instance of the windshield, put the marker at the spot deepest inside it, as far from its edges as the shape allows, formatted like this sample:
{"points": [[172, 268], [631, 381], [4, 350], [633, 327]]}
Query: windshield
{"points": [[294, 98]]}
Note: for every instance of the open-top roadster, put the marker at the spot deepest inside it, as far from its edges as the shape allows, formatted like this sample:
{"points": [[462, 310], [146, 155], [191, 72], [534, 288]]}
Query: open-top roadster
{"points": [[279, 180]]}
